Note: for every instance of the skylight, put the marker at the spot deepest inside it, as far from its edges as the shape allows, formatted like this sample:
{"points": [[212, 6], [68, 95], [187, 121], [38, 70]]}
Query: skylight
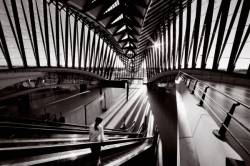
{"points": [[112, 6], [125, 37], [127, 45], [118, 18], [121, 29]]}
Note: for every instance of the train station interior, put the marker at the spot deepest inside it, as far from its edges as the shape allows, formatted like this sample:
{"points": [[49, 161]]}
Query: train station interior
{"points": [[170, 80]]}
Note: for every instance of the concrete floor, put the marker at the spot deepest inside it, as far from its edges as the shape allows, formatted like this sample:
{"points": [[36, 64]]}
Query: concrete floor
{"points": [[242, 114], [198, 145]]}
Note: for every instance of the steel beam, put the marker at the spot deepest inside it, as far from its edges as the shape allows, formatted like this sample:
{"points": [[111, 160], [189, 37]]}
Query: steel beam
{"points": [[19, 32], [196, 32], [207, 24], [180, 34], [33, 28], [28, 30], [165, 45], [46, 31], [169, 44], [4, 47], [74, 42], [107, 62], [82, 45], [223, 21], [97, 53], [238, 35], [243, 42], [104, 58], [230, 27], [100, 57], [92, 51], [52, 30], [174, 41], [187, 34], [161, 48], [62, 35], [113, 66], [66, 37], [57, 34], [87, 49]]}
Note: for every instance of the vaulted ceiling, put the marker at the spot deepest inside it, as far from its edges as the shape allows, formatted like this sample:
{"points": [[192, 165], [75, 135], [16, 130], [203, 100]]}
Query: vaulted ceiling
{"points": [[130, 23]]}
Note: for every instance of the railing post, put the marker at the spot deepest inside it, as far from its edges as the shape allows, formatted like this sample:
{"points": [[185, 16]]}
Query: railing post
{"points": [[189, 82], [203, 96], [85, 114], [185, 79], [223, 129], [127, 91], [194, 87]]}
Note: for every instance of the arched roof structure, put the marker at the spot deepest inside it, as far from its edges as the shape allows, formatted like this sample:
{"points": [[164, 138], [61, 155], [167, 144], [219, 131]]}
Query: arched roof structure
{"points": [[90, 34]]}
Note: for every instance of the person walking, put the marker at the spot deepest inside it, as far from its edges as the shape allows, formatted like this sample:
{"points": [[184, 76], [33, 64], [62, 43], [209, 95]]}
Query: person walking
{"points": [[96, 134]]}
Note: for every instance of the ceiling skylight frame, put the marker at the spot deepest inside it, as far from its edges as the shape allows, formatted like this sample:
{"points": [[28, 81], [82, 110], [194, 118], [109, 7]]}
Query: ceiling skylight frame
{"points": [[115, 4]]}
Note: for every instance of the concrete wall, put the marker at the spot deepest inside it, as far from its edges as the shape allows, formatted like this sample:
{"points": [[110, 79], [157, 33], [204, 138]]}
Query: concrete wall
{"points": [[87, 114]]}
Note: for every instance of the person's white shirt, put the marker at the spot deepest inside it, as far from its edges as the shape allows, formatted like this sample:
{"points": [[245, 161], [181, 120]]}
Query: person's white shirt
{"points": [[96, 135]]}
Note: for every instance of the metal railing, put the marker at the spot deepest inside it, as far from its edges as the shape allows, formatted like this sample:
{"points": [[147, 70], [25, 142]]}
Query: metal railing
{"points": [[44, 124], [204, 97], [14, 127], [11, 153]]}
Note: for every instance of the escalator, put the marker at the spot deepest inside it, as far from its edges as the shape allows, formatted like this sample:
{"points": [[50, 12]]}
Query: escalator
{"points": [[31, 142]]}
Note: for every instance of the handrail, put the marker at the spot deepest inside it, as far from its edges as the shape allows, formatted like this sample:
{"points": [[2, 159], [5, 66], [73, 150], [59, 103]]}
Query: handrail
{"points": [[220, 121], [51, 140], [229, 114], [222, 109], [73, 145], [212, 87], [226, 113], [55, 128], [7, 118], [76, 147], [120, 141], [128, 156]]}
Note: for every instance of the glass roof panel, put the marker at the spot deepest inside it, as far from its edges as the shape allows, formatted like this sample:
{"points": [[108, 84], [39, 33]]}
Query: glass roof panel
{"points": [[125, 37], [121, 29], [118, 18], [112, 6], [127, 45]]}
